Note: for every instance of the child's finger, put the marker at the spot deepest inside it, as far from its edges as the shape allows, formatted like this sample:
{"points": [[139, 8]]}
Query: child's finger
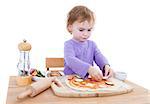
{"points": [[96, 77], [110, 74], [99, 77], [106, 72]]}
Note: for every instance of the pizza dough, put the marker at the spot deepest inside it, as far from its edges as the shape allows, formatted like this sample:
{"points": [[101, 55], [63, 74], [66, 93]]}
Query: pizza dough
{"points": [[77, 83]]}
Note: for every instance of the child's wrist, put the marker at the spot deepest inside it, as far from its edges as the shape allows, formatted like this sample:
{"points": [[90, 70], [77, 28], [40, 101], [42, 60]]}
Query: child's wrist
{"points": [[90, 69]]}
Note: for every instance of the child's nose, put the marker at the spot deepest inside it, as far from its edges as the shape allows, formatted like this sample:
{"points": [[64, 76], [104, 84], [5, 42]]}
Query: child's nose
{"points": [[86, 33]]}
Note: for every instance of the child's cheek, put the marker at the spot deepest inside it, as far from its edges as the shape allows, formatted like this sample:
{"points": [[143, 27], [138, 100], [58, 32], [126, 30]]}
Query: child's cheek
{"points": [[78, 33]]}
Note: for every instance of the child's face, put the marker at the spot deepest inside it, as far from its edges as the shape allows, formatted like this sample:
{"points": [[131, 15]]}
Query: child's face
{"points": [[81, 31]]}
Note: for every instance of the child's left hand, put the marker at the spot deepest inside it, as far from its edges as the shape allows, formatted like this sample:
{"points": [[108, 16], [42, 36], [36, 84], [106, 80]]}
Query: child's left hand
{"points": [[108, 71]]}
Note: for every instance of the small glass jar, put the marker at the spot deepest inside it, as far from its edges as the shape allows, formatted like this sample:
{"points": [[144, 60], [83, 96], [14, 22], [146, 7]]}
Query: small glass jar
{"points": [[24, 63], [23, 66]]}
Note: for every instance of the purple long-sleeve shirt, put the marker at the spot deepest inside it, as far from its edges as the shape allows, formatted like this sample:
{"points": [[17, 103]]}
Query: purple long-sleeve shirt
{"points": [[79, 56]]}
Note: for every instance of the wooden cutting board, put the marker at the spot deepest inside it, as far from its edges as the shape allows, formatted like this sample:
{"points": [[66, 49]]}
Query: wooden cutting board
{"points": [[120, 87]]}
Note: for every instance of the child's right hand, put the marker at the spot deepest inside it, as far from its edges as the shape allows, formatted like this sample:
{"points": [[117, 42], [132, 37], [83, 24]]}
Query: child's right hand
{"points": [[95, 74]]}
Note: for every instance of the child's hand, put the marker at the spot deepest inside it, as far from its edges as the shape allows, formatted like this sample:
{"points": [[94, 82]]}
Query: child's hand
{"points": [[108, 71], [95, 74]]}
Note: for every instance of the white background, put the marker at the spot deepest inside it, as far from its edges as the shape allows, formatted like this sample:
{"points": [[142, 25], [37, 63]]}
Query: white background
{"points": [[121, 31]]}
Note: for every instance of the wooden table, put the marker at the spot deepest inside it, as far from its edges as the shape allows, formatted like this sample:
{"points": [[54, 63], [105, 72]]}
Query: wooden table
{"points": [[139, 95]]}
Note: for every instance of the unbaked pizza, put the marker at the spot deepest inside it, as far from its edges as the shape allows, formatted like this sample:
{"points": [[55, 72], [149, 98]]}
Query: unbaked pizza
{"points": [[77, 83]]}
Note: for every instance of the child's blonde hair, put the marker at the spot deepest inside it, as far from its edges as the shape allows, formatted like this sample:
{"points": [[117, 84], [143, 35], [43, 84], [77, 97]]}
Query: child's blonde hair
{"points": [[81, 14]]}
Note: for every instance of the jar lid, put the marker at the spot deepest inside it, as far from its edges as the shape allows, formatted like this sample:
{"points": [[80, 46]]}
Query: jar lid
{"points": [[24, 46]]}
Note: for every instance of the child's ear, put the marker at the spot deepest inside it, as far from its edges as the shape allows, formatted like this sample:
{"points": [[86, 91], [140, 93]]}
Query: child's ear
{"points": [[69, 28]]}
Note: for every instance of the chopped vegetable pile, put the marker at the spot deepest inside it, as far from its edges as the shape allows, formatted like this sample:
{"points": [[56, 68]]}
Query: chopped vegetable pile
{"points": [[37, 73]]}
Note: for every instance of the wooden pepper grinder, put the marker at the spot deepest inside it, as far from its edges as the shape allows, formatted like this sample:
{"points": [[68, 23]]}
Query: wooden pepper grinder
{"points": [[24, 77]]}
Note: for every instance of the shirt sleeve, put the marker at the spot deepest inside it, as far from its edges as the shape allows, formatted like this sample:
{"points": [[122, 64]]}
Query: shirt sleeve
{"points": [[76, 65], [99, 58]]}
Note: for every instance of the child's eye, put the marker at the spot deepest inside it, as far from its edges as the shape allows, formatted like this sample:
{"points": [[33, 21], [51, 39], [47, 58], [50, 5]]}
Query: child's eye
{"points": [[81, 30], [89, 29]]}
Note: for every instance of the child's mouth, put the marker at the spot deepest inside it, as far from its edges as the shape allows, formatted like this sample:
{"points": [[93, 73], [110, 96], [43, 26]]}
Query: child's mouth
{"points": [[84, 38]]}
